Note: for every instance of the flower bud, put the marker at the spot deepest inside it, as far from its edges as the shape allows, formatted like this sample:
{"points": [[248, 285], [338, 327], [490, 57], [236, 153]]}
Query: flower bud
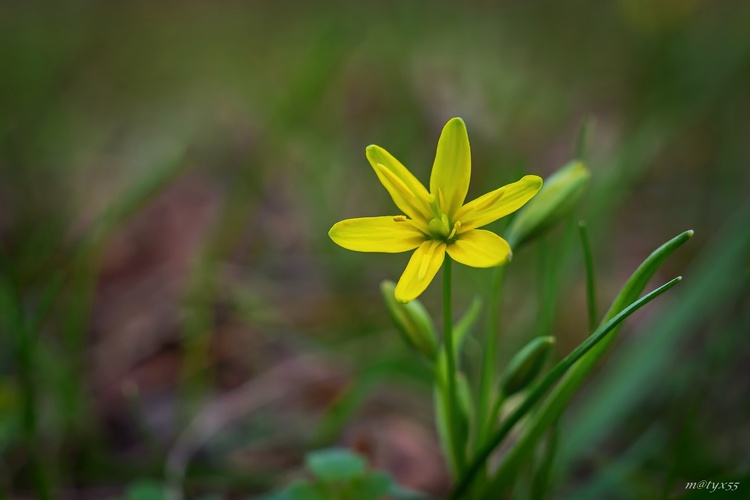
{"points": [[556, 199], [526, 365], [413, 322]]}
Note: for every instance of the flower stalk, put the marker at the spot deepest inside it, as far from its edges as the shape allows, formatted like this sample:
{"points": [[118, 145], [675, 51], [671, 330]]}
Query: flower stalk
{"points": [[454, 426]]}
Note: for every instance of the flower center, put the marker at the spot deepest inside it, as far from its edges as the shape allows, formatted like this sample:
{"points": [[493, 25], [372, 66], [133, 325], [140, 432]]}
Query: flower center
{"points": [[441, 228]]}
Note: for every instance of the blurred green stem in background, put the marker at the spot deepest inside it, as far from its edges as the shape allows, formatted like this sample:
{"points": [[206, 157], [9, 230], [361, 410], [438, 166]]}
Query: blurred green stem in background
{"points": [[588, 261], [11, 310]]}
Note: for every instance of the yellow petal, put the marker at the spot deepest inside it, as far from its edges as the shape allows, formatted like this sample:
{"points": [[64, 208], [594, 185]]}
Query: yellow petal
{"points": [[407, 192], [420, 270], [389, 234], [498, 203], [480, 248], [451, 170]]}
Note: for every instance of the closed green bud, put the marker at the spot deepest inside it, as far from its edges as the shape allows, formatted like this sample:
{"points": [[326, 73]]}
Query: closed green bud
{"points": [[526, 365], [412, 321], [556, 199]]}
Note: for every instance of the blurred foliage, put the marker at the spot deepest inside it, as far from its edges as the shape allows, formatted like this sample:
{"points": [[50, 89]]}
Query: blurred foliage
{"points": [[168, 173]]}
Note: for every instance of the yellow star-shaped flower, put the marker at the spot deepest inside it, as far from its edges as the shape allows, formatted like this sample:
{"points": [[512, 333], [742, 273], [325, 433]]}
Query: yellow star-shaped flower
{"points": [[437, 221]]}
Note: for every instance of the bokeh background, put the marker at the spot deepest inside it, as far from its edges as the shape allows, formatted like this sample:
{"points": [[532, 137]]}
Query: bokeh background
{"points": [[173, 312]]}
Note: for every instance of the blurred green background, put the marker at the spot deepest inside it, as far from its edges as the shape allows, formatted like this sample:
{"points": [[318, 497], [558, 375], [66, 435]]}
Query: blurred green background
{"points": [[173, 313]]}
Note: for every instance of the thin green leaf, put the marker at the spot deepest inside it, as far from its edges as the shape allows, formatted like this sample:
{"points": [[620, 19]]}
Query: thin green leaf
{"points": [[541, 388], [590, 283], [713, 293], [553, 407]]}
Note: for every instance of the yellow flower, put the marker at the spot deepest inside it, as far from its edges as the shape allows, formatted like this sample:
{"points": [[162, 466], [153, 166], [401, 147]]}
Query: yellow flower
{"points": [[437, 221]]}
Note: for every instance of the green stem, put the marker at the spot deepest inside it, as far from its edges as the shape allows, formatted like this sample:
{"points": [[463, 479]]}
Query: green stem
{"points": [[590, 284], [487, 382], [536, 393], [494, 412], [453, 424]]}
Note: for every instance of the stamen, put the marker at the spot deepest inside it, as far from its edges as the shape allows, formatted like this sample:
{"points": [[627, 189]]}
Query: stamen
{"points": [[456, 228], [399, 218]]}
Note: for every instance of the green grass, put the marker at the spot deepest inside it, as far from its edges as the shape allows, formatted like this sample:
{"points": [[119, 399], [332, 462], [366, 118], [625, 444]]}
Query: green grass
{"points": [[168, 175]]}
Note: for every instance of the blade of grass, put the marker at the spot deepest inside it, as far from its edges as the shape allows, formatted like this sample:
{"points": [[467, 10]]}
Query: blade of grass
{"points": [[715, 279], [590, 283], [562, 394], [541, 388]]}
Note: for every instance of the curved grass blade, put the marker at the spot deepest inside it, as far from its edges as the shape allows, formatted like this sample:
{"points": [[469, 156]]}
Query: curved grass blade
{"points": [[553, 406], [541, 388]]}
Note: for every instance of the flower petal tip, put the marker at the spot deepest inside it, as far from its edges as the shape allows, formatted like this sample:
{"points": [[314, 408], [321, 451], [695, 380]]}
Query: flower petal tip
{"points": [[535, 179], [457, 120]]}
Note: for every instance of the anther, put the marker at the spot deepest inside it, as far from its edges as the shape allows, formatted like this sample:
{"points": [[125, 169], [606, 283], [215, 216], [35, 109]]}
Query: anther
{"points": [[399, 218], [456, 229]]}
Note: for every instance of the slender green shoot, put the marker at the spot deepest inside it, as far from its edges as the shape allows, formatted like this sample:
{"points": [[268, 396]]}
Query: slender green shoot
{"points": [[590, 283], [548, 381]]}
